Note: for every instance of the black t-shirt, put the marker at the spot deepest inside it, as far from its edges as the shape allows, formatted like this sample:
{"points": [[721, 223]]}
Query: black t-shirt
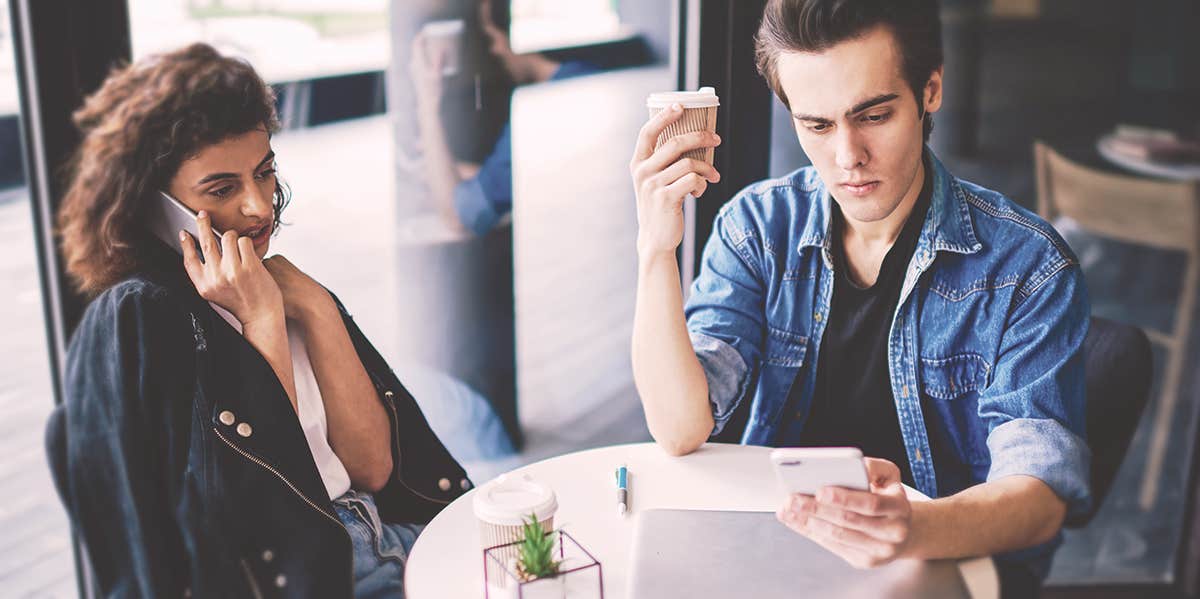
{"points": [[852, 402]]}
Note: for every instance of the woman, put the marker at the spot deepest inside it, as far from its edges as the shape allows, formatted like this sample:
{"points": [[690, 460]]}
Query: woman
{"points": [[227, 431]]}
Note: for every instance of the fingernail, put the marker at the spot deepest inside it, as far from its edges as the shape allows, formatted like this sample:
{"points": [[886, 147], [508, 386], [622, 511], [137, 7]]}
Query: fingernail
{"points": [[182, 236], [202, 214], [676, 108], [717, 137]]}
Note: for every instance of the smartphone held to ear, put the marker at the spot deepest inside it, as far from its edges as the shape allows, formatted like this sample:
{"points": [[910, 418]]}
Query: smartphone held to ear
{"points": [[167, 216], [806, 469]]}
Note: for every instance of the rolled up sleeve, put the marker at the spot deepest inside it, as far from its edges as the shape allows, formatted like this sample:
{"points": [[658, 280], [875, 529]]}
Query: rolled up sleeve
{"points": [[476, 212], [1045, 449], [725, 316], [1035, 403], [726, 373], [487, 197]]}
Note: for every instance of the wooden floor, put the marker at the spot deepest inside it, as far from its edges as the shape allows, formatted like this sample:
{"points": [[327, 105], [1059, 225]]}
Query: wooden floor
{"points": [[35, 546]]}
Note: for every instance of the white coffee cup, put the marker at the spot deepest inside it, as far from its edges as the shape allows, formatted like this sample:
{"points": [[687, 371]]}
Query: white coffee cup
{"points": [[503, 506], [445, 37]]}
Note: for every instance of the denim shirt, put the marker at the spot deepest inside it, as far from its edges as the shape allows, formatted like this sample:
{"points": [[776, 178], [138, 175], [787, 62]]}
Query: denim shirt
{"points": [[988, 331]]}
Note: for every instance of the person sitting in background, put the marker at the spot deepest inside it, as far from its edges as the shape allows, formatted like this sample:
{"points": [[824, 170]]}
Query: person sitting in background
{"points": [[470, 196], [871, 300], [227, 430]]}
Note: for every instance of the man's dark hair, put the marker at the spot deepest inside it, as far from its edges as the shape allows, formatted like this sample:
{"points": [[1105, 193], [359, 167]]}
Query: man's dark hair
{"points": [[817, 25]]}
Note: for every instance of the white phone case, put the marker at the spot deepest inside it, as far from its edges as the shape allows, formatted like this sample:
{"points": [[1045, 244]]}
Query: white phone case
{"points": [[807, 469]]}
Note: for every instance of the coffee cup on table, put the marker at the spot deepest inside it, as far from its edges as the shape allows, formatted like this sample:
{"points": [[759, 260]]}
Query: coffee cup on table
{"points": [[503, 506], [699, 114]]}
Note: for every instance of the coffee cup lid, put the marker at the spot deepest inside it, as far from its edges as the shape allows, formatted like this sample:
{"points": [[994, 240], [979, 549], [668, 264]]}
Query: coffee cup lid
{"points": [[701, 98], [509, 499], [447, 27]]}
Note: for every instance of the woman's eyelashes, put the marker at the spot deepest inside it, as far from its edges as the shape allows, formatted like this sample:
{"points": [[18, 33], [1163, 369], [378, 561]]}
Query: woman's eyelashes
{"points": [[224, 191]]}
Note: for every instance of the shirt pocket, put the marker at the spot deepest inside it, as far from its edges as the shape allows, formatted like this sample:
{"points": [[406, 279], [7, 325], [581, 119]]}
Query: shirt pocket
{"points": [[784, 348], [783, 358], [953, 377], [950, 387]]}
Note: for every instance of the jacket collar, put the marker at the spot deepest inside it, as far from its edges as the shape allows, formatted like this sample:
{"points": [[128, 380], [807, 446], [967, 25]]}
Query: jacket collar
{"points": [[948, 226], [243, 400]]}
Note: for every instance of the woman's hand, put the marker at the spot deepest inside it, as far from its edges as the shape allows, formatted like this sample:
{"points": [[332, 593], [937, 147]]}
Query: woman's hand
{"points": [[303, 297], [232, 276]]}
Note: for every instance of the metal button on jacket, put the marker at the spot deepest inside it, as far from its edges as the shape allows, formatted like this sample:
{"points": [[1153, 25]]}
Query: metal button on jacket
{"points": [[244, 429], [444, 484], [226, 418]]}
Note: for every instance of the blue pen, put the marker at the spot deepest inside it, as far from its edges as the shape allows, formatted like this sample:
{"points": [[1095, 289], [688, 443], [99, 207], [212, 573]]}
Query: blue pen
{"points": [[622, 490]]}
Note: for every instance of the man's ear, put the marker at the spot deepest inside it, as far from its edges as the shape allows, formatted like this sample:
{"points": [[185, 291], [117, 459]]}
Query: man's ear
{"points": [[932, 94]]}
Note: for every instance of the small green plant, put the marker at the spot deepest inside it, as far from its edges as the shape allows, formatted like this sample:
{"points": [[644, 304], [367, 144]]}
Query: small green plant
{"points": [[536, 551]]}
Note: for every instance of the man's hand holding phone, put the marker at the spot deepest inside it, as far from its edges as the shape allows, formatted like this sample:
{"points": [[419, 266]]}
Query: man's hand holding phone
{"points": [[231, 274], [866, 527]]}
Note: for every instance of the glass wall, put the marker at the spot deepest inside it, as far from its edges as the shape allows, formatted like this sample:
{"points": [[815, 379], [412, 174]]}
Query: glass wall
{"points": [[416, 137], [35, 547], [539, 25]]}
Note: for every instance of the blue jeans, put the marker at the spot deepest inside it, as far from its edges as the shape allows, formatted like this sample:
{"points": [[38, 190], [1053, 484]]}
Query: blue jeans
{"points": [[380, 548]]}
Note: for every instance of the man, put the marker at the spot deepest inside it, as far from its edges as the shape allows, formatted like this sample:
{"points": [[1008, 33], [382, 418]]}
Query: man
{"points": [[474, 197], [871, 300]]}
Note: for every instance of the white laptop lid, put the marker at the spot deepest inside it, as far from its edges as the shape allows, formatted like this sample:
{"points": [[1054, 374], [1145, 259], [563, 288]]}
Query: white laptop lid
{"points": [[708, 554]]}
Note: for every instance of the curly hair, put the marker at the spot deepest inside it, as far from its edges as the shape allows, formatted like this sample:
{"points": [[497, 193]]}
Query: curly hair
{"points": [[137, 129]]}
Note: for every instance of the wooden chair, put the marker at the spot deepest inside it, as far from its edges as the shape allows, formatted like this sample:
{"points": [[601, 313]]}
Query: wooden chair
{"points": [[1147, 212]]}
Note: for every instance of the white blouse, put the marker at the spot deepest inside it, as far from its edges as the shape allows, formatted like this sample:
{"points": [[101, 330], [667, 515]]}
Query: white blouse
{"points": [[310, 409]]}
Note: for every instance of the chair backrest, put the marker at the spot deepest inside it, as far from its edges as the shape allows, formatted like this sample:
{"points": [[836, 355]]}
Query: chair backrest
{"points": [[1161, 214], [1118, 366], [1147, 212]]}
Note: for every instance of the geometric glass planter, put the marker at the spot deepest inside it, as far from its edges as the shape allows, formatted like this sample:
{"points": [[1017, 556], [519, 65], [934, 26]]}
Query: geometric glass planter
{"points": [[579, 575]]}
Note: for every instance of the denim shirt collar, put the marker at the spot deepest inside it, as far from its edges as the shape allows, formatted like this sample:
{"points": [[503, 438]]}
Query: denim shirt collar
{"points": [[947, 228]]}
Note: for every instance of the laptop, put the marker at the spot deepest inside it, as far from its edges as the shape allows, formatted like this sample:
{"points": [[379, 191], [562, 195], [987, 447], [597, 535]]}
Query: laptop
{"points": [[698, 554]]}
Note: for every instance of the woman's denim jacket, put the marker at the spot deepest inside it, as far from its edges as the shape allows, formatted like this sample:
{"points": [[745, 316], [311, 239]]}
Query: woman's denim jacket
{"points": [[988, 332], [184, 468]]}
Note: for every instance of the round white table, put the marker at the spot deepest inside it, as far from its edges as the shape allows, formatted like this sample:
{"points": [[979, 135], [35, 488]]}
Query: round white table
{"points": [[447, 560]]}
